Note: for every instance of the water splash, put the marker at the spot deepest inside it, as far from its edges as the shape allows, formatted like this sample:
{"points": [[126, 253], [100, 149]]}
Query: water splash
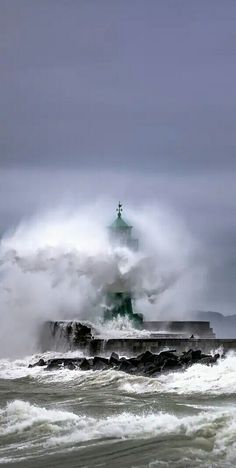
{"points": [[58, 265]]}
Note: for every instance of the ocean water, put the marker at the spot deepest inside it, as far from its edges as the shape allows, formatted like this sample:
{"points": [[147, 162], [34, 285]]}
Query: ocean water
{"points": [[111, 419]]}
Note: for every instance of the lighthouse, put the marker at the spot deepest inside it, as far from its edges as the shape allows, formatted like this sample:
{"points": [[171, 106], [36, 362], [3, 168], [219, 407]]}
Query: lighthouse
{"points": [[119, 298], [120, 232]]}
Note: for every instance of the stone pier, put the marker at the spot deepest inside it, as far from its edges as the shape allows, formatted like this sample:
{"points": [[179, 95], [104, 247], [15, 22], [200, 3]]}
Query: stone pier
{"points": [[134, 346], [65, 335]]}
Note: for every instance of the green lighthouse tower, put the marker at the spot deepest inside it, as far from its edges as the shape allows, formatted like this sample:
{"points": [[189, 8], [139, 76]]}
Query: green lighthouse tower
{"points": [[121, 232], [119, 297]]}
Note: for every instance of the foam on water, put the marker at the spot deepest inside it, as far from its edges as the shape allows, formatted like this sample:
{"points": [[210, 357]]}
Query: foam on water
{"points": [[197, 379], [217, 379], [20, 415], [127, 425], [55, 428], [206, 430], [18, 369]]}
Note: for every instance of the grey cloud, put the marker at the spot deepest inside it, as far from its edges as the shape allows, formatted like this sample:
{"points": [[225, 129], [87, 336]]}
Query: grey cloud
{"points": [[109, 84]]}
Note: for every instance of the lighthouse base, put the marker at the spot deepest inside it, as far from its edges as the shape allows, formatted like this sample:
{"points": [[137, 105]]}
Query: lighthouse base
{"points": [[119, 304]]}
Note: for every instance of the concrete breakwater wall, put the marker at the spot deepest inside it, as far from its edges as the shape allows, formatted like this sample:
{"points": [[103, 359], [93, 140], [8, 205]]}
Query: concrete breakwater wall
{"points": [[64, 336], [134, 346], [199, 328]]}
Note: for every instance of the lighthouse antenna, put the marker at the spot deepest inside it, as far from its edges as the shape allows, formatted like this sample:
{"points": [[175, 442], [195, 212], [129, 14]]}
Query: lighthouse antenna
{"points": [[119, 210]]}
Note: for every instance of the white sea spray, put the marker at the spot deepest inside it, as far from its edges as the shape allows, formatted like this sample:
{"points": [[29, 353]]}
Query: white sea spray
{"points": [[58, 265], [53, 427], [198, 379]]}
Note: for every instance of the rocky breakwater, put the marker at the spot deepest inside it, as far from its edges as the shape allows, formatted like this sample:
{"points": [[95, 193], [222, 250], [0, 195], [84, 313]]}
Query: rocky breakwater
{"points": [[146, 364]]}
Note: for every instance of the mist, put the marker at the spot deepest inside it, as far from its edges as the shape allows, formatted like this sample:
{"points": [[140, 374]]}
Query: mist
{"points": [[57, 265]]}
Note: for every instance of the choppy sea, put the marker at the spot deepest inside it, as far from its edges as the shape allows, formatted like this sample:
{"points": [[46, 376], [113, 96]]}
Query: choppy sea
{"points": [[70, 418]]}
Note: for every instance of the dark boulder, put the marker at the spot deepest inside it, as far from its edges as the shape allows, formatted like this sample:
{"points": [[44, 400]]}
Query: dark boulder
{"points": [[71, 366], [196, 355], [154, 371], [216, 357], [170, 364], [166, 360], [208, 360], [72, 363], [145, 357], [149, 368], [85, 365], [58, 363], [167, 355], [54, 364], [191, 356], [147, 363], [41, 362], [114, 359], [100, 363], [127, 366]]}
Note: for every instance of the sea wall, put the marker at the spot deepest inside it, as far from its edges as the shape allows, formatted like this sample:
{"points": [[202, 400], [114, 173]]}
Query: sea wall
{"points": [[198, 328], [64, 336], [134, 346]]}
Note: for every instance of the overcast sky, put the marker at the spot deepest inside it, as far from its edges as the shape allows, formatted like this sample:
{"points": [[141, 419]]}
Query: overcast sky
{"points": [[133, 99]]}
